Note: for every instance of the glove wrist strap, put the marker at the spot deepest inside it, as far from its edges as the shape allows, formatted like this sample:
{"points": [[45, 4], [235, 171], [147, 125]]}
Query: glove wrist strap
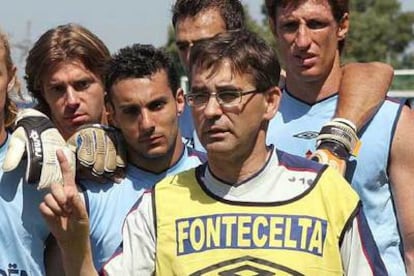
{"points": [[339, 136], [33, 127], [336, 149]]}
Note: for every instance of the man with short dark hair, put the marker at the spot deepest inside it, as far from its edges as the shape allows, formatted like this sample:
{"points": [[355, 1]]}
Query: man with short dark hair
{"points": [[361, 91], [144, 101], [194, 21], [250, 209]]}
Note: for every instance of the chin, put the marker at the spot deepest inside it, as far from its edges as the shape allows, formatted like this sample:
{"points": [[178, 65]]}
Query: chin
{"points": [[309, 75], [219, 148], [154, 154], [67, 132]]}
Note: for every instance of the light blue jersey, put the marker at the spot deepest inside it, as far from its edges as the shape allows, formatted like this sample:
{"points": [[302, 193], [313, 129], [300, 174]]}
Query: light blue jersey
{"points": [[108, 204], [294, 130], [23, 231], [186, 123]]}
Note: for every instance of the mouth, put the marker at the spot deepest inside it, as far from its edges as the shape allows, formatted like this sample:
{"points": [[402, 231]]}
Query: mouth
{"points": [[305, 60], [215, 133], [150, 139], [77, 119]]}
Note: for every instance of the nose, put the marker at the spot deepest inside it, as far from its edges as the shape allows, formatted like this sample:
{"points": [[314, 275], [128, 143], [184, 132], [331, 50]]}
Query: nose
{"points": [[72, 97], [147, 122], [212, 108], [303, 39]]}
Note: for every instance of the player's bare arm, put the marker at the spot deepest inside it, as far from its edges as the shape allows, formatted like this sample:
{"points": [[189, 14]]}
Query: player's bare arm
{"points": [[402, 175], [363, 89], [67, 218]]}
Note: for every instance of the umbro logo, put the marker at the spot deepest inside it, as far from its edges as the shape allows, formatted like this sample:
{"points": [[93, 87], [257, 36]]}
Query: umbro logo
{"points": [[246, 265], [307, 135]]}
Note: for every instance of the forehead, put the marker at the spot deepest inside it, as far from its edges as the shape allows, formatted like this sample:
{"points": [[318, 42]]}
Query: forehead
{"points": [[142, 89], [71, 69], [205, 24], [307, 8], [223, 74]]}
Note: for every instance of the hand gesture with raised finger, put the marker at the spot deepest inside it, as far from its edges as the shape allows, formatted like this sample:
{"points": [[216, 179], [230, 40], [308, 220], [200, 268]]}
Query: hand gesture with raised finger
{"points": [[65, 212]]}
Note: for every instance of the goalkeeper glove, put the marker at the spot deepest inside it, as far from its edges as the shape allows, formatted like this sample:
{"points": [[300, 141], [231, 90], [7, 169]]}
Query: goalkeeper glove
{"points": [[100, 152], [336, 142], [36, 136]]}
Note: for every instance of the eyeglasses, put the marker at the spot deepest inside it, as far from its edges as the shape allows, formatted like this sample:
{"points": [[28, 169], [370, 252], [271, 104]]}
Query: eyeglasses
{"points": [[184, 45], [224, 98]]}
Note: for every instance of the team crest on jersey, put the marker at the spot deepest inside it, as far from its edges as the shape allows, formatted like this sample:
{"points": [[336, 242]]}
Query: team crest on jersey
{"points": [[307, 135], [246, 265]]}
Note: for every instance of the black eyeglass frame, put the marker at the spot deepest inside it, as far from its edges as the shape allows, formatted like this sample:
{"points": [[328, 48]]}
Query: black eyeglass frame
{"points": [[190, 97]]}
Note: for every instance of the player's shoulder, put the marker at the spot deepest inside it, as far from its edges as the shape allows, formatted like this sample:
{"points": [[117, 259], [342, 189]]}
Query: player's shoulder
{"points": [[298, 163], [407, 113], [143, 202]]}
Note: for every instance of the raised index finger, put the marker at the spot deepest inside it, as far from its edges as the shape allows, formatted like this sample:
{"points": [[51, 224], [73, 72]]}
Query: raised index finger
{"points": [[67, 174]]}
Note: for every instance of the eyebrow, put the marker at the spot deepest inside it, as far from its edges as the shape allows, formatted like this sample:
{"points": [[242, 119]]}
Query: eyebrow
{"points": [[182, 41], [202, 89], [127, 105], [134, 104], [227, 87], [76, 79], [195, 41]]}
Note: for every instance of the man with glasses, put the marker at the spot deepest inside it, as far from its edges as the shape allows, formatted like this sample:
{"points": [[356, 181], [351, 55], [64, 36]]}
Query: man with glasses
{"points": [[224, 98], [363, 86], [249, 209]]}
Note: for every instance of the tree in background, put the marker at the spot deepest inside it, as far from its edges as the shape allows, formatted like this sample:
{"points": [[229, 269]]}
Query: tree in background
{"points": [[380, 31]]}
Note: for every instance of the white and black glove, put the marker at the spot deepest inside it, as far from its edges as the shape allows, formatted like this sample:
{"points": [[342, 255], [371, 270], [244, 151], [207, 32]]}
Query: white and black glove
{"points": [[336, 143], [36, 136], [100, 153]]}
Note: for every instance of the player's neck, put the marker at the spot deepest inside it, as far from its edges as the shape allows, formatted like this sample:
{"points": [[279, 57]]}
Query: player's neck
{"points": [[158, 164], [316, 88], [236, 168]]}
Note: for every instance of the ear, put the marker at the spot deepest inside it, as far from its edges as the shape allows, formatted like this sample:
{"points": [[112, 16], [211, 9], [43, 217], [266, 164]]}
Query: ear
{"points": [[111, 114], [343, 27], [272, 100], [180, 101]]}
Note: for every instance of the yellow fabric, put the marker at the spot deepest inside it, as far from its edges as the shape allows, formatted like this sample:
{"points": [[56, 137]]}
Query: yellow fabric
{"points": [[199, 235]]}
